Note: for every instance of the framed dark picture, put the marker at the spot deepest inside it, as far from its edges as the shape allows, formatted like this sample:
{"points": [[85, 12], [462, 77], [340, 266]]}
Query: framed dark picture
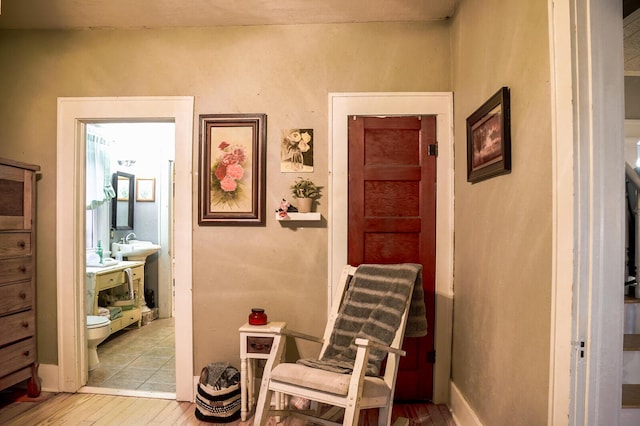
{"points": [[489, 139], [296, 151], [232, 169]]}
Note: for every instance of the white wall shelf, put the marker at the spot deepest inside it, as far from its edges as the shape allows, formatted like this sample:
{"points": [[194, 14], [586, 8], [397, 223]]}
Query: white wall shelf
{"points": [[300, 217]]}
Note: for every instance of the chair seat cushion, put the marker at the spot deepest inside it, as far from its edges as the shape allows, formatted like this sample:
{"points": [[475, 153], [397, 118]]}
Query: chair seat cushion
{"points": [[326, 381]]}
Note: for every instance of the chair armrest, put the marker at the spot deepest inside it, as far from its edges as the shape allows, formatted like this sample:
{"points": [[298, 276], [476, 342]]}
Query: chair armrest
{"points": [[369, 343], [298, 335]]}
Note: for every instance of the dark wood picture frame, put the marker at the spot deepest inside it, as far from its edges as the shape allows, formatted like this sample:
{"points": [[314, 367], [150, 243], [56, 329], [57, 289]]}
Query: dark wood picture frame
{"points": [[489, 138], [232, 169], [122, 204]]}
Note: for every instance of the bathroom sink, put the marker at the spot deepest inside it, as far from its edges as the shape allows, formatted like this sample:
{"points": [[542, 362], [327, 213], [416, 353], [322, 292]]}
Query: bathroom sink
{"points": [[134, 249]]}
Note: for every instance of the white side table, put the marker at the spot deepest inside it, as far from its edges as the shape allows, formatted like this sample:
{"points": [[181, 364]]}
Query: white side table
{"points": [[255, 343]]}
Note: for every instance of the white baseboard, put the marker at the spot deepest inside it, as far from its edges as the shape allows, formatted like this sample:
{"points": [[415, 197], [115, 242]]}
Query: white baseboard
{"points": [[128, 392], [461, 411], [50, 377]]}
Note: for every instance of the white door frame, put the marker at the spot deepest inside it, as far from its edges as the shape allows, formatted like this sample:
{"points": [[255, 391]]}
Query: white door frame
{"points": [[70, 245], [341, 105], [587, 92]]}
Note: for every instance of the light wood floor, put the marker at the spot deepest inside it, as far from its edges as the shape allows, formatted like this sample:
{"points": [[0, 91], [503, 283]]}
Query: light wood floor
{"points": [[92, 409]]}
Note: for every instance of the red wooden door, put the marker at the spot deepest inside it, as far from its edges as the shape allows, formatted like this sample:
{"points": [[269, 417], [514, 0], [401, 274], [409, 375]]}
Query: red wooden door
{"points": [[392, 212]]}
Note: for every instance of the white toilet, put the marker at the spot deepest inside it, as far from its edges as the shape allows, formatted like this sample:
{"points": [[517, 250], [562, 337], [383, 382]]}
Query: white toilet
{"points": [[98, 329]]}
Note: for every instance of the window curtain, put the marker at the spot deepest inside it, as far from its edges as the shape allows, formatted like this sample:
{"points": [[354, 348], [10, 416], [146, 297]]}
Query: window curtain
{"points": [[98, 171]]}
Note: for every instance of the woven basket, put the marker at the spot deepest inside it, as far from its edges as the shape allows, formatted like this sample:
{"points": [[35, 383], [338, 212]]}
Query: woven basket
{"points": [[218, 399]]}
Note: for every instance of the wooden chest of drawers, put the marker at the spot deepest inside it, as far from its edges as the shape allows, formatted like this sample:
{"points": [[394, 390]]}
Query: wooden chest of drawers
{"points": [[18, 354]]}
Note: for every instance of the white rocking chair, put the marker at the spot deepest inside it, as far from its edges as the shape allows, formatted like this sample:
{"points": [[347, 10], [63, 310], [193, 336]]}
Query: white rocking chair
{"points": [[353, 391]]}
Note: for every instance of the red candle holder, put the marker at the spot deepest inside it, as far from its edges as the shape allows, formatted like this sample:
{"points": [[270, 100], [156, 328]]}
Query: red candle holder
{"points": [[257, 317]]}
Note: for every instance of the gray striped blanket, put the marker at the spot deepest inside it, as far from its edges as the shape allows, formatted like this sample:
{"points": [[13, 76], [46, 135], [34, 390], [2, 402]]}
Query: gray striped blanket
{"points": [[373, 309]]}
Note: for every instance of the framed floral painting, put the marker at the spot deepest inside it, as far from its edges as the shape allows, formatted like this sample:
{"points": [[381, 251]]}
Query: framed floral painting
{"points": [[232, 169], [296, 150]]}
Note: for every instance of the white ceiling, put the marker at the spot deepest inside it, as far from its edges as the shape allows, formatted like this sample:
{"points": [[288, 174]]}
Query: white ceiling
{"points": [[67, 14]]}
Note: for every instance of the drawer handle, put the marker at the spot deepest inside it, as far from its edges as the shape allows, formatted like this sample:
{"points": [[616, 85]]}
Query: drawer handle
{"points": [[25, 353], [25, 324], [22, 244], [23, 269], [22, 295], [260, 346]]}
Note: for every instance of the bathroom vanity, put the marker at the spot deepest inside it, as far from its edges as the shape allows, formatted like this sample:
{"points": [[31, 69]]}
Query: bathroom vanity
{"points": [[110, 283]]}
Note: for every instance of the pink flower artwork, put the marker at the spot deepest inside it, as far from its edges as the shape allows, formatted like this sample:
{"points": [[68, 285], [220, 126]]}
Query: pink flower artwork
{"points": [[226, 174]]}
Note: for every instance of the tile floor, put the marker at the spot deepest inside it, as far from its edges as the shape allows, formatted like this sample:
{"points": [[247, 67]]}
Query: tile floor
{"points": [[138, 358]]}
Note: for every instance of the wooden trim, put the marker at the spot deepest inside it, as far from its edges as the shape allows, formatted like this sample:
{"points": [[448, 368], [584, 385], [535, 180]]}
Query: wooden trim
{"points": [[461, 411], [11, 222], [28, 202], [587, 114], [19, 164], [70, 220], [440, 104]]}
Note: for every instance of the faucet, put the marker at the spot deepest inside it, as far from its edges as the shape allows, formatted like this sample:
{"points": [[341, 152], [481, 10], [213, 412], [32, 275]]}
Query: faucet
{"points": [[128, 237]]}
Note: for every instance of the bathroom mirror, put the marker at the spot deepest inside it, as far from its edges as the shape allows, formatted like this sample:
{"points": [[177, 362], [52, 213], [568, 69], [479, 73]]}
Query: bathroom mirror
{"points": [[122, 205]]}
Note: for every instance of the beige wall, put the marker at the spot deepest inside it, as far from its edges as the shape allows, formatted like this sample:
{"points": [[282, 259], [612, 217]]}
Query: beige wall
{"points": [[283, 71], [503, 225]]}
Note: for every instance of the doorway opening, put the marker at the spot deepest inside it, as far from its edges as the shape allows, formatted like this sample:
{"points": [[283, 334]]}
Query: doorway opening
{"points": [[129, 188], [74, 114]]}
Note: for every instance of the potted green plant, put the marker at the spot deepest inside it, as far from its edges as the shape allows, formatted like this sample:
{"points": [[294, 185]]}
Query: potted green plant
{"points": [[305, 191]]}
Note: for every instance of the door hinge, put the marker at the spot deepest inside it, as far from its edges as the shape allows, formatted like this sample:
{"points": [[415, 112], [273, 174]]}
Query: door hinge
{"points": [[431, 357], [432, 149]]}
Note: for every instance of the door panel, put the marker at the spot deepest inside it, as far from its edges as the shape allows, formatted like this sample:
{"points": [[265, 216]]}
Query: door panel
{"points": [[392, 189]]}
